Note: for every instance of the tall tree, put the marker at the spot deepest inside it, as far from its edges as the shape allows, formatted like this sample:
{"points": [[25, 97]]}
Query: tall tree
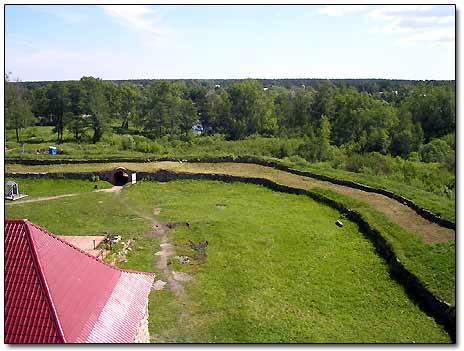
{"points": [[58, 106], [18, 112], [129, 97], [96, 105], [248, 108], [188, 115]]}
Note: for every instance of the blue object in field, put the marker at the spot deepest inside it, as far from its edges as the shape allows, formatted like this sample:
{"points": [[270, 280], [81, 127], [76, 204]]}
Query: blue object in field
{"points": [[52, 150]]}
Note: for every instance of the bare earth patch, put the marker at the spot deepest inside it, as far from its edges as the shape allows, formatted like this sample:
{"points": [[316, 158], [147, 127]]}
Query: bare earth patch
{"points": [[87, 243], [113, 189], [174, 279]]}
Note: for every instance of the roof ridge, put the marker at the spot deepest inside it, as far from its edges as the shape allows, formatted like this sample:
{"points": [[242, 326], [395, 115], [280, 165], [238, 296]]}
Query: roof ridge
{"points": [[42, 279], [82, 251]]}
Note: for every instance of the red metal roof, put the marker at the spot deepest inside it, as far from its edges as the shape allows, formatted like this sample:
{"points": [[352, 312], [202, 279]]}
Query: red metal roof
{"points": [[84, 299]]}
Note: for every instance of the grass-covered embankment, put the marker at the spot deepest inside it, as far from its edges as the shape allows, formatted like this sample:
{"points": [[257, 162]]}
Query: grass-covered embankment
{"points": [[430, 185]]}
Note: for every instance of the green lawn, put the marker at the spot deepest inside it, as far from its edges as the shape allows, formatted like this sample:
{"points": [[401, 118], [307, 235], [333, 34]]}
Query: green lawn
{"points": [[278, 269]]}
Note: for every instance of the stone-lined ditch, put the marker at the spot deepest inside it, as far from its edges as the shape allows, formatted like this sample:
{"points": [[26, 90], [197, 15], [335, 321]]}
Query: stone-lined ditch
{"points": [[401, 199]]}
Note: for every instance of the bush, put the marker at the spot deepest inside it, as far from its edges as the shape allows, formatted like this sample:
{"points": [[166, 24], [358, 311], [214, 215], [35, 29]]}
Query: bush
{"points": [[127, 142], [298, 161], [435, 151], [414, 157]]}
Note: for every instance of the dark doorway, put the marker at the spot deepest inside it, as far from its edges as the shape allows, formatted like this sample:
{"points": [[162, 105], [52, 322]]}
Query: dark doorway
{"points": [[120, 177]]}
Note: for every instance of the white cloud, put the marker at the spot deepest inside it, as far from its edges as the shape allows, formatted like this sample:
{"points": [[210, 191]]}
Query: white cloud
{"points": [[390, 12], [341, 10], [415, 23], [136, 17]]}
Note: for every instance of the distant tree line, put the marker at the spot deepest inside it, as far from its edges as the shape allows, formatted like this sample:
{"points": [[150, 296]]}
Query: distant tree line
{"points": [[401, 118]]}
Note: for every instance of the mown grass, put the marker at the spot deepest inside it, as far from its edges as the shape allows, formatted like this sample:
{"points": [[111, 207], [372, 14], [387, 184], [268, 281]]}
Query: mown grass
{"points": [[278, 269]]}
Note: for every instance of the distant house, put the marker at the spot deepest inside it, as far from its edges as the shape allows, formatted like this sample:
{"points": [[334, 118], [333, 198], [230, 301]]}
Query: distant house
{"points": [[198, 128], [56, 293]]}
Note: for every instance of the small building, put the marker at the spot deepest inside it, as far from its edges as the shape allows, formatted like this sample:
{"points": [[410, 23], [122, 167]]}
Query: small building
{"points": [[12, 192], [56, 293]]}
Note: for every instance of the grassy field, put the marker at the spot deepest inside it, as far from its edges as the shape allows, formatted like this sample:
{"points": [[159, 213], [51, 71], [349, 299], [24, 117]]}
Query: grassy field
{"points": [[278, 268]]}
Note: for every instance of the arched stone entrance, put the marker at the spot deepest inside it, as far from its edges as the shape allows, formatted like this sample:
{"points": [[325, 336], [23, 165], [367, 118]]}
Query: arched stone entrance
{"points": [[120, 176]]}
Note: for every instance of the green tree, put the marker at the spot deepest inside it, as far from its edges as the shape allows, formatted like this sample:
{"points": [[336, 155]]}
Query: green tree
{"points": [[58, 106], [434, 108], [95, 106], [129, 97], [406, 136], [18, 112], [249, 109], [216, 113], [162, 103], [188, 115]]}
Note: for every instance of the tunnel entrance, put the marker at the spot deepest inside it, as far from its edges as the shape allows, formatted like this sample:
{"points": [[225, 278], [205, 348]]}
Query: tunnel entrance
{"points": [[120, 177]]}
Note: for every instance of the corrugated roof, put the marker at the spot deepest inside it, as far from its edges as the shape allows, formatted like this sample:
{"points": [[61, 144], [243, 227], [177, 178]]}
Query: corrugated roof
{"points": [[78, 290], [29, 316]]}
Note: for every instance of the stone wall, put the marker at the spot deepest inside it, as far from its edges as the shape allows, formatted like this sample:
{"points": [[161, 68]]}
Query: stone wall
{"points": [[143, 335], [419, 210]]}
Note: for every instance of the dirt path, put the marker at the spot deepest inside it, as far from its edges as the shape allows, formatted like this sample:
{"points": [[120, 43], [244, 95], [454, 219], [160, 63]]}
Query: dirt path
{"points": [[40, 199], [113, 189], [174, 279]]}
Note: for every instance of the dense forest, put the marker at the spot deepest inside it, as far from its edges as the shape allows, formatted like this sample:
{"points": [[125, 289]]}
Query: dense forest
{"points": [[365, 126]]}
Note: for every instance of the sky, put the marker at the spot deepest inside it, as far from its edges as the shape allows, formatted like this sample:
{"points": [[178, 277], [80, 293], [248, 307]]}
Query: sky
{"points": [[66, 42]]}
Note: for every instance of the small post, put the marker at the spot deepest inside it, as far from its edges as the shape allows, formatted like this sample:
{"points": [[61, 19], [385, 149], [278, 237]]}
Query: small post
{"points": [[94, 247]]}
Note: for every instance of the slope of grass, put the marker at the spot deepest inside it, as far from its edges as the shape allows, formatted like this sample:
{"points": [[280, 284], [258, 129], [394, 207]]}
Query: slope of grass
{"points": [[433, 264]]}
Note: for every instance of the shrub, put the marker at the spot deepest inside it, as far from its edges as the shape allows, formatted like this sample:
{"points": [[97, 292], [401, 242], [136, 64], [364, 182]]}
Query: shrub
{"points": [[435, 151], [127, 142], [297, 160], [414, 157]]}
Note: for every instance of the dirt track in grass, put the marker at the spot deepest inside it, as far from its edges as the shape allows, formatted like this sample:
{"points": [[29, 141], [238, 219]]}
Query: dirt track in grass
{"points": [[395, 211]]}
